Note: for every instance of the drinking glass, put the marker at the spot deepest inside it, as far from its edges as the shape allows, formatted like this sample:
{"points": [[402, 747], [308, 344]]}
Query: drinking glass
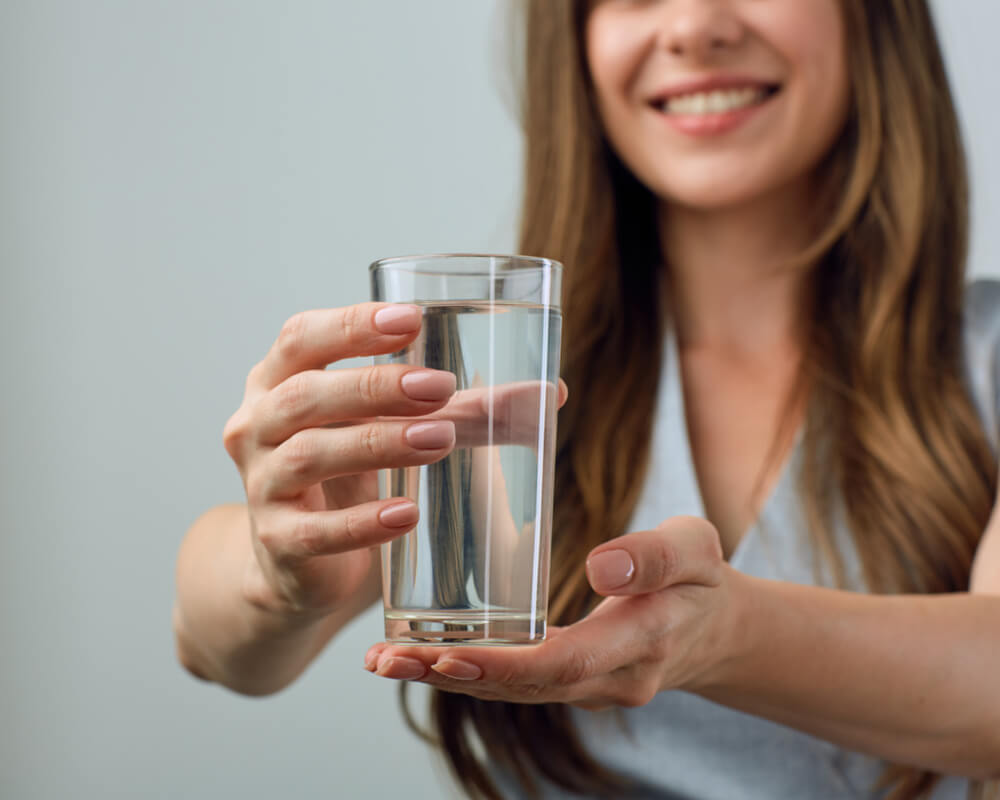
{"points": [[475, 569]]}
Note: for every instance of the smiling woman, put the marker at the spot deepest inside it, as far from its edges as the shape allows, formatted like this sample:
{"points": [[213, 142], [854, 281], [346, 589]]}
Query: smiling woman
{"points": [[774, 483], [721, 106]]}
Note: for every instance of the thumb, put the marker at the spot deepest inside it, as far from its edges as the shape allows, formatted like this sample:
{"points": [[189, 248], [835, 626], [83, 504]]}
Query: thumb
{"points": [[678, 550]]}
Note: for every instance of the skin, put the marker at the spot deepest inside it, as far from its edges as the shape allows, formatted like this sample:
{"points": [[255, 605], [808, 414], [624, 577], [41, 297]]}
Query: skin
{"points": [[263, 587]]}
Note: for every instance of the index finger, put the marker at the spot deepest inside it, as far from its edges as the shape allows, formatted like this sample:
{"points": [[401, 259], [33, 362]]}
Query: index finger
{"points": [[314, 339]]}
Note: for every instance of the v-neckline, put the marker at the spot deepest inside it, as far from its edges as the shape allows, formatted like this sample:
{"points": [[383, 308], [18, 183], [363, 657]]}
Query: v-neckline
{"points": [[675, 418]]}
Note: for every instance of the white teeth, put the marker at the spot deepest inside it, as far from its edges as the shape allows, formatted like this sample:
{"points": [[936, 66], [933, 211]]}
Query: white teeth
{"points": [[717, 101]]}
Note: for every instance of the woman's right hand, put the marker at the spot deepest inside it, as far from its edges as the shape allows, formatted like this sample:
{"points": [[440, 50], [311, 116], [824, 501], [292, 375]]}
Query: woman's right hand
{"points": [[307, 444]]}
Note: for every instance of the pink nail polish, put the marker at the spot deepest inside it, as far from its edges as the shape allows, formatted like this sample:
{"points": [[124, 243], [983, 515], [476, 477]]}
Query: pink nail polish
{"points": [[399, 515], [459, 670], [431, 435], [396, 320], [428, 384], [402, 669], [609, 570]]}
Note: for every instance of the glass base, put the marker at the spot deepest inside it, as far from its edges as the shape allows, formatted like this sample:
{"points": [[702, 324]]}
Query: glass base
{"points": [[462, 626]]}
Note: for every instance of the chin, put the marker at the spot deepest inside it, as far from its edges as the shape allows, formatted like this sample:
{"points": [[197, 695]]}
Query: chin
{"points": [[710, 198], [715, 189]]}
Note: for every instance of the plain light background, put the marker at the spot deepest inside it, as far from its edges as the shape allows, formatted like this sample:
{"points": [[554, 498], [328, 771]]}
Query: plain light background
{"points": [[176, 178]]}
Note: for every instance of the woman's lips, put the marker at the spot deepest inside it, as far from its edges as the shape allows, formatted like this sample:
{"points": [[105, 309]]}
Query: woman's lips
{"points": [[712, 110]]}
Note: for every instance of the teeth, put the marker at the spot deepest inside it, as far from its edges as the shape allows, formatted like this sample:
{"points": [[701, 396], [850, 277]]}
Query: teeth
{"points": [[717, 101]]}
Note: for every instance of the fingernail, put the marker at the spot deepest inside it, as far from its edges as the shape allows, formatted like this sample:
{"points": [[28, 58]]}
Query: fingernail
{"points": [[401, 669], [371, 658], [431, 435], [399, 514], [395, 320], [609, 570], [428, 384], [459, 670]]}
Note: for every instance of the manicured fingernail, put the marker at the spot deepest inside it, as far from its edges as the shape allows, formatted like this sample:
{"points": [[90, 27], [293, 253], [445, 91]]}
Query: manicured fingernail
{"points": [[371, 658], [459, 670], [399, 515], [401, 668], [428, 384], [609, 570], [431, 435], [395, 320]]}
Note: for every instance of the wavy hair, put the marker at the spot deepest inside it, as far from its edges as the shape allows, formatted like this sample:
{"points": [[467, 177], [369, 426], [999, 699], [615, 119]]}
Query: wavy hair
{"points": [[890, 435]]}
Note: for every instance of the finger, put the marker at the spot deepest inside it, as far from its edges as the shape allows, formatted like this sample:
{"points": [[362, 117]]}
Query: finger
{"points": [[315, 398], [317, 454], [427, 655], [548, 672], [314, 339], [679, 550], [371, 657], [515, 409], [292, 537]]}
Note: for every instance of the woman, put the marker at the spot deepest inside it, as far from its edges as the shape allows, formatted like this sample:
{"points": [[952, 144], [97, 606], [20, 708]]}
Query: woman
{"points": [[767, 198]]}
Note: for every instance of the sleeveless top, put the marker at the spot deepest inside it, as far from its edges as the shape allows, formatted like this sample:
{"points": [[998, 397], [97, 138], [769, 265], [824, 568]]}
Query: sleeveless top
{"points": [[683, 747]]}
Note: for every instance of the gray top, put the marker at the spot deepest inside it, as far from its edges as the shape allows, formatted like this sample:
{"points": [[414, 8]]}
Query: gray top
{"points": [[681, 746]]}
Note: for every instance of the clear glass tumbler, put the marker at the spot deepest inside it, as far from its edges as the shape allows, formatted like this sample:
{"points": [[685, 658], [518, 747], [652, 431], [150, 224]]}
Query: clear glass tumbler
{"points": [[476, 567]]}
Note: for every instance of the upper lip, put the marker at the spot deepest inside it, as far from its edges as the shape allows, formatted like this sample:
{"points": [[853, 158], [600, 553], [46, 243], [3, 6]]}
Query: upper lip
{"points": [[707, 84]]}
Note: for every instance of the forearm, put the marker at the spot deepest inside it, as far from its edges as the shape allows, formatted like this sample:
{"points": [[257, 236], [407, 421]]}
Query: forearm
{"points": [[912, 679], [220, 635]]}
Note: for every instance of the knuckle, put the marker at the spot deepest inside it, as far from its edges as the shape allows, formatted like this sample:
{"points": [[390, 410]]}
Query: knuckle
{"points": [[371, 386], [636, 693], [659, 649], [292, 397], [297, 455], [534, 692], [236, 432], [271, 539], [255, 377], [371, 440], [577, 667], [291, 339], [354, 527], [713, 545], [310, 536], [354, 324], [662, 562], [508, 675], [257, 488]]}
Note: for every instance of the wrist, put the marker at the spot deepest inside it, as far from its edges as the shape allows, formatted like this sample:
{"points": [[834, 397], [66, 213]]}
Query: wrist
{"points": [[732, 638]]}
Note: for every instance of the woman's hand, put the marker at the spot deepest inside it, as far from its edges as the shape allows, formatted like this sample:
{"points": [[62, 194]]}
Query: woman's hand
{"points": [[669, 622], [307, 444]]}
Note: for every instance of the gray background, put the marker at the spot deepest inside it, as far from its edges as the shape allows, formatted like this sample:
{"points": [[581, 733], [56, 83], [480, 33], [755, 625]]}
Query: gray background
{"points": [[176, 178]]}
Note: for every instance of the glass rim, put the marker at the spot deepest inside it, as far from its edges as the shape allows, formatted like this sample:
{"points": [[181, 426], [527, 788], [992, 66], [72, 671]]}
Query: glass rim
{"points": [[524, 263]]}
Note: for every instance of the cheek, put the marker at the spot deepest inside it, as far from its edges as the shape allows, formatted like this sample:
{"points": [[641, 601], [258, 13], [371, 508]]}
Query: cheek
{"points": [[810, 35], [614, 45]]}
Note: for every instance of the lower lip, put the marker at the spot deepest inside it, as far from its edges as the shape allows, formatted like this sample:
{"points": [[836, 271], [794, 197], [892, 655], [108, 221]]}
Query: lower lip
{"points": [[703, 125]]}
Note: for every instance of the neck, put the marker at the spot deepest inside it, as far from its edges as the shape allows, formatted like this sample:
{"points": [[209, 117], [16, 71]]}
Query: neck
{"points": [[729, 281]]}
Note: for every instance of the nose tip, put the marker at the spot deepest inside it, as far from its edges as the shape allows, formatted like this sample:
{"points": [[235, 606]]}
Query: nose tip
{"points": [[700, 27]]}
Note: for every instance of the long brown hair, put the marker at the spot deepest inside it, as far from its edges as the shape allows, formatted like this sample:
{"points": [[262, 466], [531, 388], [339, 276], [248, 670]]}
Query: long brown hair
{"points": [[891, 435]]}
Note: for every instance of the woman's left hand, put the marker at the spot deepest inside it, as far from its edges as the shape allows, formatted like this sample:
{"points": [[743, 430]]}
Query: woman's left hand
{"points": [[669, 621]]}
